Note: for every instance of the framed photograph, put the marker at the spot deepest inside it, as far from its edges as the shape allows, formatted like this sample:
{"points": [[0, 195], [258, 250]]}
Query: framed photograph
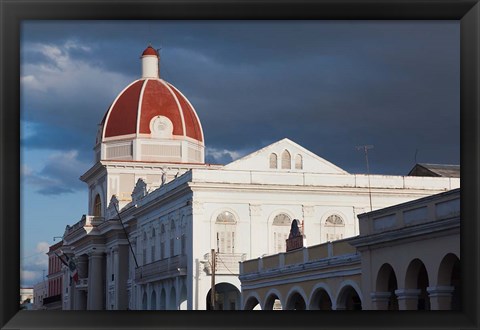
{"points": [[291, 96]]}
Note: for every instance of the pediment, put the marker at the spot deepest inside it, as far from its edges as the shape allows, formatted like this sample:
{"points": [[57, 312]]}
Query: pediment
{"points": [[301, 160]]}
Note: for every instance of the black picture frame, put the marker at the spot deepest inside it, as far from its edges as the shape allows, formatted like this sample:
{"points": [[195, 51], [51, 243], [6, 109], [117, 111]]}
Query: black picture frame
{"points": [[14, 12]]}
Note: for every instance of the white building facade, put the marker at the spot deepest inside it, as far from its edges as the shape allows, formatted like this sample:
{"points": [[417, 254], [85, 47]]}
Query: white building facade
{"points": [[173, 209]]}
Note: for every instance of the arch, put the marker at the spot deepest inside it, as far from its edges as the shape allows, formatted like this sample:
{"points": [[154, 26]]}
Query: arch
{"points": [[163, 300], [252, 302], [296, 299], [273, 300], [416, 277], [449, 275], [321, 298], [225, 231], [445, 269], [387, 282], [153, 301], [349, 296], [273, 160], [298, 162], [144, 301], [97, 206], [172, 302], [286, 160], [227, 297]]}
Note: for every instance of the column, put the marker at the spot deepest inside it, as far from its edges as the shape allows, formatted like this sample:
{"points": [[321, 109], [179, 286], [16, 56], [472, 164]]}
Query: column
{"points": [[177, 292], [80, 300], [380, 300], [257, 228], [407, 299], [95, 281], [440, 297], [120, 264], [309, 231]]}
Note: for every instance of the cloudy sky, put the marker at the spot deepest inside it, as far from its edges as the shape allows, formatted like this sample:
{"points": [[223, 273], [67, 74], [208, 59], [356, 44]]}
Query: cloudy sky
{"points": [[328, 85]]}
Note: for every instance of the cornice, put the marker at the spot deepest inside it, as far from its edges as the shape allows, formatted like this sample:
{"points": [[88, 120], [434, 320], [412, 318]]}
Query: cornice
{"points": [[434, 228]]}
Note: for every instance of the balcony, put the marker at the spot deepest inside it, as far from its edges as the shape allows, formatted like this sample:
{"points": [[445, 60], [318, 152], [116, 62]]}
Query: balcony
{"points": [[168, 267], [86, 221], [226, 263]]}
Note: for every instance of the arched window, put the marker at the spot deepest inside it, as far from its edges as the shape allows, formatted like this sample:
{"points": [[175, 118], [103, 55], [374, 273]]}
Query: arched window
{"points": [[281, 228], [298, 162], [225, 225], [97, 206], [334, 228], [286, 160], [273, 160]]}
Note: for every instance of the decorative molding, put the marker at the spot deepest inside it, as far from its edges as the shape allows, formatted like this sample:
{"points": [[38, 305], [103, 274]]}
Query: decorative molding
{"points": [[255, 210], [139, 191], [308, 211]]}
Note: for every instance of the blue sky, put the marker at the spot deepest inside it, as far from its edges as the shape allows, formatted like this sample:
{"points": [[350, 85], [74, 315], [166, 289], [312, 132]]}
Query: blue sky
{"points": [[327, 85]]}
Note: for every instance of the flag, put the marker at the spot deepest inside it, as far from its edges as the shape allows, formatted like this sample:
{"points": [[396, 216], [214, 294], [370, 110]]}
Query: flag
{"points": [[73, 268]]}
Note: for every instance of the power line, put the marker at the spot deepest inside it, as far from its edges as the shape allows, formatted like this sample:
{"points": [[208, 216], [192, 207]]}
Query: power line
{"points": [[218, 255], [33, 255], [365, 149]]}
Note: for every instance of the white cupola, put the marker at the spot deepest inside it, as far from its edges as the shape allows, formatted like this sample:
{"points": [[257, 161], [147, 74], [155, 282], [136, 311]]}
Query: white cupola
{"points": [[150, 63]]}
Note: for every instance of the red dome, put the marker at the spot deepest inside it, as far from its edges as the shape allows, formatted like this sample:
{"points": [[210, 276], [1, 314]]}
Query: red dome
{"points": [[149, 51], [144, 99]]}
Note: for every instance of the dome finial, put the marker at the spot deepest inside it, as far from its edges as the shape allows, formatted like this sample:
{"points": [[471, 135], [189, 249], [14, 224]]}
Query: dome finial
{"points": [[150, 62]]}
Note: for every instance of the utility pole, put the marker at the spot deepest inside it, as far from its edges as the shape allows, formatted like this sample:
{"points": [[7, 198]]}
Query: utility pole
{"points": [[126, 235], [365, 149], [212, 290]]}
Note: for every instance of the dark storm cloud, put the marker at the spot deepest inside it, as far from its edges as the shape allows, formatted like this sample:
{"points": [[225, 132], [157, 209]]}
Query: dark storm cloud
{"points": [[328, 86], [48, 136], [59, 175]]}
